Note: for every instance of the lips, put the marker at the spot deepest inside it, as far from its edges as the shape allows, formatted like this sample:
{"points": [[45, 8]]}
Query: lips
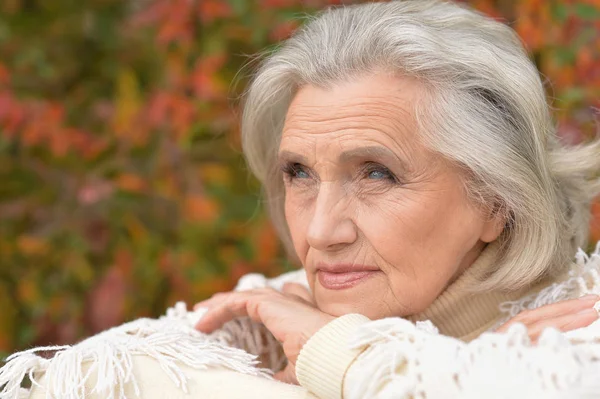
{"points": [[338, 277]]}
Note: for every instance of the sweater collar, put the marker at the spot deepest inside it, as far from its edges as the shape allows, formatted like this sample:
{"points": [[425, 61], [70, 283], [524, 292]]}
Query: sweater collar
{"points": [[459, 313]]}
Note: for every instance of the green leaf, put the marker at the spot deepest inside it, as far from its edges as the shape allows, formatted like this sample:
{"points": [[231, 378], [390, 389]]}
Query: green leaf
{"points": [[559, 12], [572, 95], [240, 7], [587, 11], [4, 32], [565, 56]]}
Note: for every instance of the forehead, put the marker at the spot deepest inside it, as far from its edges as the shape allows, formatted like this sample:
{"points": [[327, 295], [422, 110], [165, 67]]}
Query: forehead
{"points": [[376, 108]]}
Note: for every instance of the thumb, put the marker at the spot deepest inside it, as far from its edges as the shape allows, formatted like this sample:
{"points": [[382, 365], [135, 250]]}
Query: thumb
{"points": [[287, 375], [299, 290]]}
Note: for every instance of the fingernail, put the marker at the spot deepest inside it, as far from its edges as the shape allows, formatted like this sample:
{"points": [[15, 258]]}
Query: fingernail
{"points": [[589, 297]]}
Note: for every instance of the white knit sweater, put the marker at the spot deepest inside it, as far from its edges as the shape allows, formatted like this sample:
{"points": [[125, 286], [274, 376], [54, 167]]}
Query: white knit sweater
{"points": [[353, 356]]}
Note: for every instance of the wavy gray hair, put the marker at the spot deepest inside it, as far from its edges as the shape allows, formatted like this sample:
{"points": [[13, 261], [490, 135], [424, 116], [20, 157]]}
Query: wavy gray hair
{"points": [[484, 109]]}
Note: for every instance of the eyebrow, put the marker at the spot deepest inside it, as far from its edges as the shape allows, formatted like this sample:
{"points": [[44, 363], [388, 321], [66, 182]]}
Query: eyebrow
{"points": [[366, 152], [349, 155]]}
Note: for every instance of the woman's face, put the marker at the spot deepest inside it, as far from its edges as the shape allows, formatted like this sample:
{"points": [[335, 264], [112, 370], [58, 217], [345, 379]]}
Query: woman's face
{"points": [[380, 224]]}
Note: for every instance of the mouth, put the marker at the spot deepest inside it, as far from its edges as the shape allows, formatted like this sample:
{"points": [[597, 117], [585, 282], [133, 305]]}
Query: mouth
{"points": [[339, 278]]}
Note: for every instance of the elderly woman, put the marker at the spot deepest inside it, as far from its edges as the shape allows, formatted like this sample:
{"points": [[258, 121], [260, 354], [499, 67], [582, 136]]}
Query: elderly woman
{"points": [[412, 168], [411, 165]]}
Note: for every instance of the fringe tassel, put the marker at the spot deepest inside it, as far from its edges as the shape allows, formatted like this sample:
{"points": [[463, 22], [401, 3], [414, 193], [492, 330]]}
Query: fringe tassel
{"points": [[110, 356], [584, 278], [171, 340]]}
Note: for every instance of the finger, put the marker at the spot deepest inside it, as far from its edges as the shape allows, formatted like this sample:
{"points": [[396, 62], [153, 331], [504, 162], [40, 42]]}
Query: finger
{"points": [[223, 307], [218, 297], [232, 305], [530, 317], [564, 323], [299, 290], [287, 375], [562, 308], [201, 304], [221, 314]]}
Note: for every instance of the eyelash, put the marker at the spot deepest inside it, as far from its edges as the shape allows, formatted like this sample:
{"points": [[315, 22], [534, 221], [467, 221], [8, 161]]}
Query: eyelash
{"points": [[374, 167], [291, 170]]}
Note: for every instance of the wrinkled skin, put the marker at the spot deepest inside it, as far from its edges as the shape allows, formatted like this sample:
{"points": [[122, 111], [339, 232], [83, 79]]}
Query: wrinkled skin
{"points": [[400, 208]]}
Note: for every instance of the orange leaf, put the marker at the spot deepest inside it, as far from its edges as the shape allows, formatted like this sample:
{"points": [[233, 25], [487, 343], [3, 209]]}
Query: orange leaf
{"points": [[30, 245], [201, 209], [27, 291], [215, 173], [131, 182], [267, 244], [59, 142]]}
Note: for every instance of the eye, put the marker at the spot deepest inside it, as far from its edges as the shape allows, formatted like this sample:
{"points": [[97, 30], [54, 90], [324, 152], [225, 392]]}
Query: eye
{"points": [[377, 174], [374, 171], [294, 171]]}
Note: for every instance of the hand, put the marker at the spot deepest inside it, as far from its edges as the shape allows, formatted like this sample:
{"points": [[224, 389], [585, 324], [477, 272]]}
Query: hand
{"points": [[290, 315], [565, 316]]}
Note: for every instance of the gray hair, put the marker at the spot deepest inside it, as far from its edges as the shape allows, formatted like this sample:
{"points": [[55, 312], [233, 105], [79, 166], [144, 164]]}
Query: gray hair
{"points": [[485, 110]]}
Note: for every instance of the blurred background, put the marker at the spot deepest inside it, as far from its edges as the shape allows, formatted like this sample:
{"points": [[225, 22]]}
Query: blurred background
{"points": [[122, 184]]}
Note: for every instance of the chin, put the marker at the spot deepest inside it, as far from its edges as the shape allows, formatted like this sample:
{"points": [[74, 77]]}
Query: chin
{"points": [[342, 306], [340, 309]]}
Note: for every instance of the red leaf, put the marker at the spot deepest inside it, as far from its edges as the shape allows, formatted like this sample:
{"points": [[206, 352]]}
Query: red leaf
{"points": [[4, 75], [595, 223], [283, 30], [211, 10], [264, 4], [106, 302], [177, 24], [205, 80]]}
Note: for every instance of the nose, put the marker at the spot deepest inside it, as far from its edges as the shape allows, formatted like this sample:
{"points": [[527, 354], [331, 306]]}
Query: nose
{"points": [[331, 226]]}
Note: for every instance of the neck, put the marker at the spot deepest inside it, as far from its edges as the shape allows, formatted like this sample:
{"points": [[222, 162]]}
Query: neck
{"points": [[461, 313]]}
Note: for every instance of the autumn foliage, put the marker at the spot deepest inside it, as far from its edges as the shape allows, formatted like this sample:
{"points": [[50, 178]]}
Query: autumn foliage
{"points": [[123, 188]]}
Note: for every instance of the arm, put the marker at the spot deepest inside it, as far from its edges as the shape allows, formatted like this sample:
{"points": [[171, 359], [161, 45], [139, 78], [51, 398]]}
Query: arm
{"points": [[394, 358]]}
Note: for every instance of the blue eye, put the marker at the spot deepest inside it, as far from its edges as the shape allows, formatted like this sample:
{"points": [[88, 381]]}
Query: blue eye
{"points": [[295, 171], [301, 174], [378, 174]]}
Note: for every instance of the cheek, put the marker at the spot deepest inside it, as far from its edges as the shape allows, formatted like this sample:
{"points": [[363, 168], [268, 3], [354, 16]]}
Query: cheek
{"points": [[297, 218], [407, 222], [394, 223], [419, 238]]}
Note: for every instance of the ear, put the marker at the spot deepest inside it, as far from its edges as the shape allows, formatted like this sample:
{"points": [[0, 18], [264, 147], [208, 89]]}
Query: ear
{"points": [[494, 224]]}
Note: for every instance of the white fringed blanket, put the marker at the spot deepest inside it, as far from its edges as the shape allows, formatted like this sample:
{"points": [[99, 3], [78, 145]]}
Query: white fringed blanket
{"points": [[399, 359], [171, 340]]}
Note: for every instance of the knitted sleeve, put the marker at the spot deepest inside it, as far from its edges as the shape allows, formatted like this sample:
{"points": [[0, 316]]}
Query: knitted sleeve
{"points": [[393, 358]]}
